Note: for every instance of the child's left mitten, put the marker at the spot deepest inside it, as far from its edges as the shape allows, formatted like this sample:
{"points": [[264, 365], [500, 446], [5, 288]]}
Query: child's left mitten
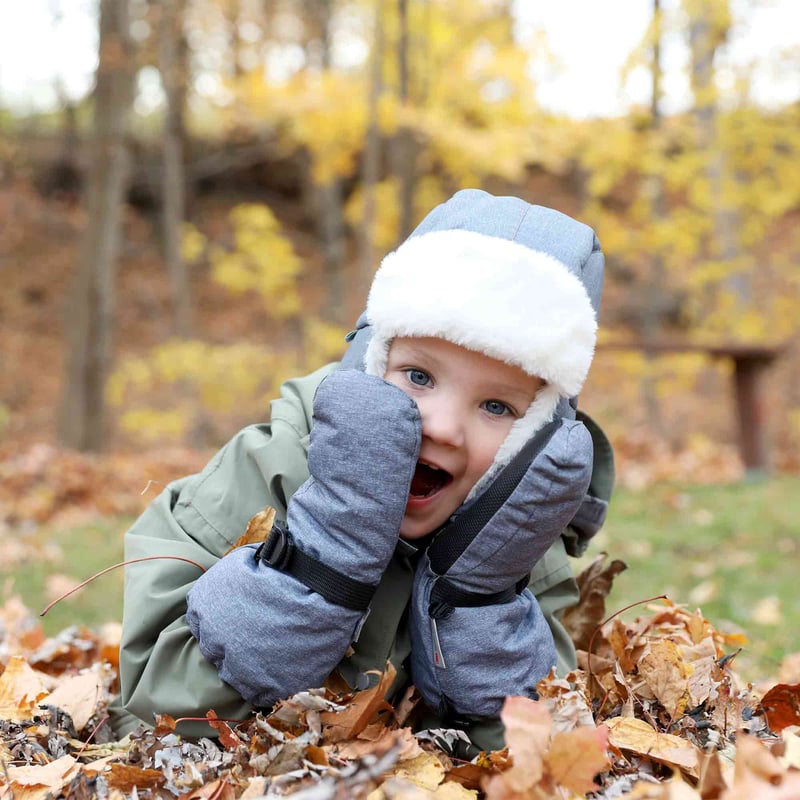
{"points": [[277, 619], [477, 634]]}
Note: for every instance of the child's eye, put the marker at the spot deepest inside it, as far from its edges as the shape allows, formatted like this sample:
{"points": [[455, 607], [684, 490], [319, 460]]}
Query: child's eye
{"points": [[496, 408], [418, 377]]}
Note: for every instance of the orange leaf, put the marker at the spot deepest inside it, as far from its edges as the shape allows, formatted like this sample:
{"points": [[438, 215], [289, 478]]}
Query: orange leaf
{"points": [[219, 789], [226, 735], [339, 726], [781, 706], [125, 778], [257, 529], [575, 757], [164, 724]]}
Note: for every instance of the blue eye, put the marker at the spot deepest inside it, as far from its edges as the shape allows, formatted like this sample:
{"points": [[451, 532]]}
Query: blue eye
{"points": [[496, 408], [418, 377]]}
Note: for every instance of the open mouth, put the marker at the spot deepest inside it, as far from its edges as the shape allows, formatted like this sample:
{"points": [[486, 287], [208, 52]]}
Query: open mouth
{"points": [[428, 480]]}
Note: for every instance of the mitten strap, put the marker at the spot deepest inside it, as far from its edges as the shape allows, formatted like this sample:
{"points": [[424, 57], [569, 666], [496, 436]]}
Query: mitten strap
{"points": [[446, 597], [278, 551]]}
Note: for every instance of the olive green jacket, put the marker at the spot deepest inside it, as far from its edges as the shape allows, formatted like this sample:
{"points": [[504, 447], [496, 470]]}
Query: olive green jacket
{"points": [[200, 517]]}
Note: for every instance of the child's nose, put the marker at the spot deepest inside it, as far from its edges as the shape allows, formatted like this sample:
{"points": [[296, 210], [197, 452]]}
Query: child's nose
{"points": [[442, 424]]}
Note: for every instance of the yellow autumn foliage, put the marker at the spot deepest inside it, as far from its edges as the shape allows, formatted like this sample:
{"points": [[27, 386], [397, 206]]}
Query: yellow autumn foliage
{"points": [[261, 260], [429, 193]]}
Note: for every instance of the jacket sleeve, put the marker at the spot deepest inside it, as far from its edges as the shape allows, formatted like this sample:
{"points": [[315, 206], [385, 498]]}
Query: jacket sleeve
{"points": [[199, 518]]}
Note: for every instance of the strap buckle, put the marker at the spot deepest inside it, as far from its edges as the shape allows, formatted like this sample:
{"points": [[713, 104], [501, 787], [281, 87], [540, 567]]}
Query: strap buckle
{"points": [[277, 549]]}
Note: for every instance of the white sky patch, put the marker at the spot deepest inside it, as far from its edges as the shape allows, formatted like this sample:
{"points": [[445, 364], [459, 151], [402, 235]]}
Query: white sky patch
{"points": [[590, 41]]}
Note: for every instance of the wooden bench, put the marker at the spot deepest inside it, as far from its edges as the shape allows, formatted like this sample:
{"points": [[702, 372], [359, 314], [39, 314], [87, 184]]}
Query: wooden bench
{"points": [[750, 364]]}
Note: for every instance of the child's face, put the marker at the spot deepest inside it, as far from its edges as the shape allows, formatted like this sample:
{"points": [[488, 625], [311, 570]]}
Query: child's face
{"points": [[468, 402]]}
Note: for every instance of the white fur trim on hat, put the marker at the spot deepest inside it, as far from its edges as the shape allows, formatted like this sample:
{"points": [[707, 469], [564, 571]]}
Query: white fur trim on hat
{"points": [[487, 294]]}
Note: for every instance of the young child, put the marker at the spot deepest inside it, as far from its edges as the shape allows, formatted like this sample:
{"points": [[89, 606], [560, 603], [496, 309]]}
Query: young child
{"points": [[446, 471]]}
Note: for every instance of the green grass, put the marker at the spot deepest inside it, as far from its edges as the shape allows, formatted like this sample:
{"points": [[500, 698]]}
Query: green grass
{"points": [[84, 550], [732, 550]]}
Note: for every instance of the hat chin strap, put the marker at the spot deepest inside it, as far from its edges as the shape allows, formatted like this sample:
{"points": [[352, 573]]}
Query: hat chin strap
{"points": [[539, 413]]}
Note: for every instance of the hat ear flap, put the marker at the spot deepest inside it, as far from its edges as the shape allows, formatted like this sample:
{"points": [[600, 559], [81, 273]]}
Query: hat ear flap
{"points": [[377, 355], [358, 339]]}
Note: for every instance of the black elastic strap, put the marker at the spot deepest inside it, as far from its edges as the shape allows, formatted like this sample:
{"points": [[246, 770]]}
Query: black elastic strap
{"points": [[456, 536], [278, 551], [445, 597]]}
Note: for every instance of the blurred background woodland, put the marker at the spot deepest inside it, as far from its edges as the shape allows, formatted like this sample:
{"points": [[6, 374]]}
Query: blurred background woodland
{"points": [[205, 220]]}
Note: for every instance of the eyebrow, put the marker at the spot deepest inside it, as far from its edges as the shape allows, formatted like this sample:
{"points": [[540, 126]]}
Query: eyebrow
{"points": [[508, 388]]}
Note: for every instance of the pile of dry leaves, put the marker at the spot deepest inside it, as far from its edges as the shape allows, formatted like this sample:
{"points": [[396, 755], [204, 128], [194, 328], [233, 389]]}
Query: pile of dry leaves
{"points": [[42, 483], [654, 713]]}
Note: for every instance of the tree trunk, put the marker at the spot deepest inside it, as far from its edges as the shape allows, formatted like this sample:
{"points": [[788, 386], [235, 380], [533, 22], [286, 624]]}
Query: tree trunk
{"points": [[89, 314], [705, 37], [173, 203], [331, 229], [654, 287], [233, 12], [328, 197], [404, 152], [371, 161]]}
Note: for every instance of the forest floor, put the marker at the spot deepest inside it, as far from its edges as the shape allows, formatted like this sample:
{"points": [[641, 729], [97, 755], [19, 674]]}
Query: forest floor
{"points": [[730, 550]]}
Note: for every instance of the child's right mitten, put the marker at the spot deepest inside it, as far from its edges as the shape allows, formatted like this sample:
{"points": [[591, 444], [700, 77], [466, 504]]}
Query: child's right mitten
{"points": [[477, 635], [277, 619]]}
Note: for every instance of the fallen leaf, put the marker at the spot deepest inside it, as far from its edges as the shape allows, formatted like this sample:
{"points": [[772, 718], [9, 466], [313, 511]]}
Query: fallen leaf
{"points": [[219, 789], [358, 748], [226, 735], [789, 670], [78, 695], [674, 789], [594, 582], [425, 771], [410, 700], [637, 736], [791, 748], [623, 645], [703, 593], [753, 758], [575, 757], [454, 791], [711, 783], [528, 724], [257, 529], [256, 787], [164, 724], [36, 782], [125, 778], [100, 764], [667, 675], [768, 611], [56, 584], [781, 706], [21, 690], [338, 726]]}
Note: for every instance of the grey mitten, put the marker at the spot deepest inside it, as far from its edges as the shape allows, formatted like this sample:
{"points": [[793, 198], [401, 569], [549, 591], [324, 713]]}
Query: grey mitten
{"points": [[269, 634], [476, 634]]}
